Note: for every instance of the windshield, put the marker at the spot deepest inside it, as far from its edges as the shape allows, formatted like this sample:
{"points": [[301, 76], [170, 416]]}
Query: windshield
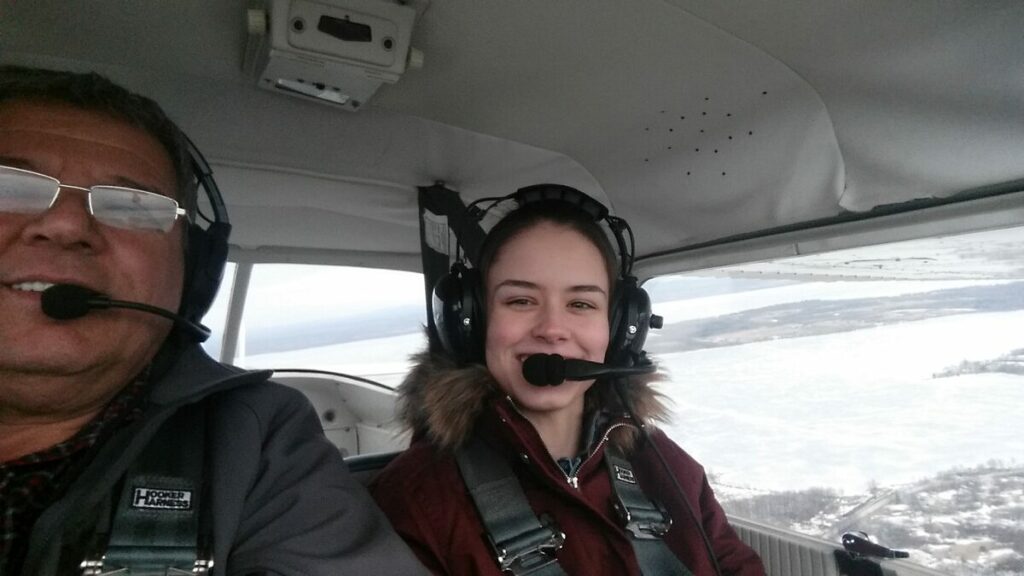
{"points": [[358, 321]]}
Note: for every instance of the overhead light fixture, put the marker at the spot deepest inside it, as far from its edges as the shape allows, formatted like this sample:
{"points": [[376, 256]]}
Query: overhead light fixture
{"points": [[336, 52]]}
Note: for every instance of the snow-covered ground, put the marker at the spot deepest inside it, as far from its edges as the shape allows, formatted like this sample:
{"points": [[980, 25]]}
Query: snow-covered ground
{"points": [[849, 409]]}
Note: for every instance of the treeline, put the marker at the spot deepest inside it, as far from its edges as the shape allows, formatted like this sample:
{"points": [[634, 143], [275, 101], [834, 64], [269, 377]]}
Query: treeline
{"points": [[965, 521]]}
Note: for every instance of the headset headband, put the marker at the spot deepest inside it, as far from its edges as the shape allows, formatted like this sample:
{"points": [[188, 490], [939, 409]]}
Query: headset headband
{"points": [[560, 193]]}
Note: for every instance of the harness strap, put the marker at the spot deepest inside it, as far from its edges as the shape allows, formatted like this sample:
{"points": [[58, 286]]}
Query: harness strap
{"points": [[646, 521], [520, 542], [158, 528]]}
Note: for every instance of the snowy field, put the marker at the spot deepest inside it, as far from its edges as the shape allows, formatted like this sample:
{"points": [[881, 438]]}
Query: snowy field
{"points": [[847, 409]]}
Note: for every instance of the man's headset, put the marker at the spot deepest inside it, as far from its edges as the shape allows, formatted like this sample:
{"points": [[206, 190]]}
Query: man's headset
{"points": [[457, 301], [206, 249]]}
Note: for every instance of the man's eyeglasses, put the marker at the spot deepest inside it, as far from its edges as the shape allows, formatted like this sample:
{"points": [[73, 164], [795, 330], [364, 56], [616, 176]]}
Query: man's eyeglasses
{"points": [[26, 192]]}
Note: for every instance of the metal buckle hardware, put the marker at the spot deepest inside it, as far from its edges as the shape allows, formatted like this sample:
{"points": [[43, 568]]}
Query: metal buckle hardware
{"points": [[644, 524], [529, 552], [93, 566]]}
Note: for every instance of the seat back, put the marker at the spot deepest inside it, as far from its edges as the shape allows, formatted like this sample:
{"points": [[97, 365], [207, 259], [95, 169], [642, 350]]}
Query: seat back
{"points": [[365, 467]]}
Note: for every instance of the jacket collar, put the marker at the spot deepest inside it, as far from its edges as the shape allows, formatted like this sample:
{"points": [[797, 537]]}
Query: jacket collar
{"points": [[443, 402], [188, 373]]}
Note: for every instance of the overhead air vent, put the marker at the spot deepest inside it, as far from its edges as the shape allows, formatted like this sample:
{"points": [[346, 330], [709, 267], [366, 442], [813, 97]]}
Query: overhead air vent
{"points": [[337, 52]]}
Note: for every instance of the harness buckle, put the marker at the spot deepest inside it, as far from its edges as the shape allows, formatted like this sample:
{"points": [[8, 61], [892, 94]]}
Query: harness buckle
{"points": [[644, 523], [93, 565], [528, 552]]}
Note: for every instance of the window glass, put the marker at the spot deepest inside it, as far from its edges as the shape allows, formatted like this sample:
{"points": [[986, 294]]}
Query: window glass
{"points": [[359, 321], [877, 389], [216, 317]]}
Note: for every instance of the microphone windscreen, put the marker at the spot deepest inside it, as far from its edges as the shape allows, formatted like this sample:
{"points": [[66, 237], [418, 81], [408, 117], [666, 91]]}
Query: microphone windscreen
{"points": [[544, 369], [66, 301]]}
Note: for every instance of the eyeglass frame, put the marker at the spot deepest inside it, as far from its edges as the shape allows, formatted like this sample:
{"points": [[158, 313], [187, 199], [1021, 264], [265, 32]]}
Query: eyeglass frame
{"points": [[178, 210]]}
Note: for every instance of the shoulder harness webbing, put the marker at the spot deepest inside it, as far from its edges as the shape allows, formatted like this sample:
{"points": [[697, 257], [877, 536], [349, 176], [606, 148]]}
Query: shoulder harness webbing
{"points": [[159, 526], [521, 543], [524, 544]]}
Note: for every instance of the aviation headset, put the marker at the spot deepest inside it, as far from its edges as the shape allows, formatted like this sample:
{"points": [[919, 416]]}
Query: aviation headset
{"points": [[457, 300], [206, 250]]}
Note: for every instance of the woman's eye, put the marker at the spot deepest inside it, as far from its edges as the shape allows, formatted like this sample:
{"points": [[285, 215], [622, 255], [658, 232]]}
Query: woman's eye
{"points": [[582, 305], [517, 302]]}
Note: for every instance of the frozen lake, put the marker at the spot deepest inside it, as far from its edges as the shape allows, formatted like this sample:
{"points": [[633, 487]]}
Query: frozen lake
{"points": [[869, 408]]}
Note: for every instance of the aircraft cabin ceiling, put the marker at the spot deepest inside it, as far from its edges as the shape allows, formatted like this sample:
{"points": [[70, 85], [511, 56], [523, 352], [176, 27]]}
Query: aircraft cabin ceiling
{"points": [[697, 119]]}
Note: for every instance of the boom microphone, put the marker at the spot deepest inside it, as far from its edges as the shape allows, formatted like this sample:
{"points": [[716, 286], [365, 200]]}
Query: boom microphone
{"points": [[68, 301], [553, 369]]}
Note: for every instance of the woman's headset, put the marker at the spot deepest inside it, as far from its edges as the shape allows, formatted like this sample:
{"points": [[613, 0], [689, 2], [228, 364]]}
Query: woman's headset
{"points": [[457, 300]]}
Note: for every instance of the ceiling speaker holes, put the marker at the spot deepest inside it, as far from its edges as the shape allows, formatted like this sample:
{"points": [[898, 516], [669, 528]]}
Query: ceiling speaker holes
{"points": [[662, 140]]}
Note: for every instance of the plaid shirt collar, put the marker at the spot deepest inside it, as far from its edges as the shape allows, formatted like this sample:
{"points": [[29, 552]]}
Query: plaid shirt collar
{"points": [[31, 483]]}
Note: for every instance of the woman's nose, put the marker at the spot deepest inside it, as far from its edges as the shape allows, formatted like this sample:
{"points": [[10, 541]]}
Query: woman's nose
{"points": [[551, 324]]}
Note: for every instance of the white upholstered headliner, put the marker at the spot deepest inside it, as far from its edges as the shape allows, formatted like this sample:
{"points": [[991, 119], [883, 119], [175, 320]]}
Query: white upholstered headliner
{"points": [[699, 119]]}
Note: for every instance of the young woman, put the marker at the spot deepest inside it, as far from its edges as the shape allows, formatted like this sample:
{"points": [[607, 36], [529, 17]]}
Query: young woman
{"points": [[490, 450]]}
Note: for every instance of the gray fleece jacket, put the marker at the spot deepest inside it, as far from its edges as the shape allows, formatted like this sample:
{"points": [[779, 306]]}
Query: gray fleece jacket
{"points": [[281, 499]]}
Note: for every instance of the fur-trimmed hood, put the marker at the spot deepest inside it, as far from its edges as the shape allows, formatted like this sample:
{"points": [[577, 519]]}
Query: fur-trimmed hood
{"points": [[441, 401]]}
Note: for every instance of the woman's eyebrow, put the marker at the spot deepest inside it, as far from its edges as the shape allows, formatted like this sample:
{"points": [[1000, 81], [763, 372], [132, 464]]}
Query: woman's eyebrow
{"points": [[516, 284], [587, 288], [583, 288]]}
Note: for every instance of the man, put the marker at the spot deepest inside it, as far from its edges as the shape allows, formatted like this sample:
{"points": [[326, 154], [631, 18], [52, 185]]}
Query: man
{"points": [[121, 442]]}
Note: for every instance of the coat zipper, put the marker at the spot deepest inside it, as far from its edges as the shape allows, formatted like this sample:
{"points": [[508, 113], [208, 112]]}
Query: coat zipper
{"points": [[574, 480]]}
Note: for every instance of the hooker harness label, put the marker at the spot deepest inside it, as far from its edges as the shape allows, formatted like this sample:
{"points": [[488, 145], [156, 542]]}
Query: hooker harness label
{"points": [[624, 475], [161, 499]]}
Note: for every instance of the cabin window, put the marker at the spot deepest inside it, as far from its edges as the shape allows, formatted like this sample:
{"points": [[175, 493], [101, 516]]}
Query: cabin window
{"points": [[876, 389], [216, 316], [357, 321]]}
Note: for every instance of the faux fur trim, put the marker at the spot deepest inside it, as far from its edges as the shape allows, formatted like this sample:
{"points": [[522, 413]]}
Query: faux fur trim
{"points": [[442, 401]]}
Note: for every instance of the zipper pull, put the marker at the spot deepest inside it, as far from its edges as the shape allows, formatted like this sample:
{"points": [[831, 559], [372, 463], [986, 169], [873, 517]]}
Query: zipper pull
{"points": [[574, 481]]}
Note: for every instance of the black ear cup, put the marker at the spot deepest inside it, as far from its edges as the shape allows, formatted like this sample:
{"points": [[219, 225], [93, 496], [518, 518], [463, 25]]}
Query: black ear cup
{"points": [[206, 256], [629, 323], [206, 251], [457, 309]]}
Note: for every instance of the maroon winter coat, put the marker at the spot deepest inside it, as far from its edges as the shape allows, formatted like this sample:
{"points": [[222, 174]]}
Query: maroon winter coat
{"points": [[423, 494]]}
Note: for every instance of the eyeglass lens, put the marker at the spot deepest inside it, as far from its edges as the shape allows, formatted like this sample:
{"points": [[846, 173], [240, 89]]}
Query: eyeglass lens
{"points": [[25, 192]]}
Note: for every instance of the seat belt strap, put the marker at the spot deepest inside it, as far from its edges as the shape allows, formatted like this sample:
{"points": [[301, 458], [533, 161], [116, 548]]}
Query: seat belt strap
{"points": [[158, 526], [646, 522], [521, 543]]}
